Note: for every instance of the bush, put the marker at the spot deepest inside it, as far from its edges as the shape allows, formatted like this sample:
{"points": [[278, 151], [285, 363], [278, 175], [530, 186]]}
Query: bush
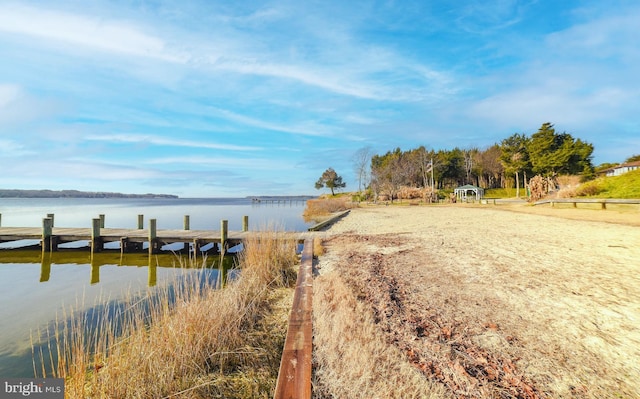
{"points": [[589, 189]]}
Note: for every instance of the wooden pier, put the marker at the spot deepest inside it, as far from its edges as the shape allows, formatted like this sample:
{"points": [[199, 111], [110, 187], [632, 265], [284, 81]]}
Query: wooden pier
{"points": [[132, 240]]}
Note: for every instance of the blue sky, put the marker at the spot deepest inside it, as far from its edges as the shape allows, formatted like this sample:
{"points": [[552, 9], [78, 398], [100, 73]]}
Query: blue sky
{"points": [[228, 98]]}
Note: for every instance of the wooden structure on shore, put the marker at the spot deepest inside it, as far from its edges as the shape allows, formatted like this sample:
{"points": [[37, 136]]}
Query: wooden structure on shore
{"points": [[575, 201], [294, 376], [279, 200], [131, 240]]}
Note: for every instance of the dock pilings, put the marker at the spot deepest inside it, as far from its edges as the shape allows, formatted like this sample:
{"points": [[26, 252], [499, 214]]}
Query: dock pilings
{"points": [[49, 241], [131, 240]]}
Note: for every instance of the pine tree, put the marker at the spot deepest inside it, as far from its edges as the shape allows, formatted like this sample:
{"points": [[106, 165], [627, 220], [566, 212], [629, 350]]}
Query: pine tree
{"points": [[331, 180]]}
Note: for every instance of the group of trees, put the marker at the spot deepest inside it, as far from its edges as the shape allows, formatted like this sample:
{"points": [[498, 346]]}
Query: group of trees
{"points": [[545, 153], [441, 169]]}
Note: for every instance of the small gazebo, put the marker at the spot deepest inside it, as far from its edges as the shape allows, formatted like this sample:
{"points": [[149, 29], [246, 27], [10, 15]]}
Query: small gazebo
{"points": [[462, 192]]}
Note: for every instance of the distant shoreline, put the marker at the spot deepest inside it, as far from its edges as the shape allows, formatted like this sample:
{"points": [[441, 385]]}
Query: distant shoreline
{"points": [[16, 193]]}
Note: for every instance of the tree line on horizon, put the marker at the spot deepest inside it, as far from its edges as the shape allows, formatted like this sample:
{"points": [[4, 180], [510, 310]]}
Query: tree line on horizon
{"points": [[18, 193], [508, 163]]}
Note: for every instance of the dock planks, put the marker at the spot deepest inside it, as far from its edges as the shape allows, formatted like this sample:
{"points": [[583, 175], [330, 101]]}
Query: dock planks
{"points": [[163, 236]]}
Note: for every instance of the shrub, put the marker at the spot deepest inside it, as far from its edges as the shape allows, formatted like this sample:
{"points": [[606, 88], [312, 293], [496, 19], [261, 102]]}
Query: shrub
{"points": [[319, 208], [589, 189]]}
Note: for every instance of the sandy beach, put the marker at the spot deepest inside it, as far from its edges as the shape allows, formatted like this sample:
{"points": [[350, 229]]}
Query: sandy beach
{"points": [[479, 301]]}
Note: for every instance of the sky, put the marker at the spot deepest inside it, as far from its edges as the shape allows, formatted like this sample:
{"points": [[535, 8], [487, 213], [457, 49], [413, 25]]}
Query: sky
{"points": [[219, 98]]}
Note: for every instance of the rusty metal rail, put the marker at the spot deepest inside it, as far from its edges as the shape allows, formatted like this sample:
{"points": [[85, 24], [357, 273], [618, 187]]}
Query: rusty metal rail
{"points": [[294, 377]]}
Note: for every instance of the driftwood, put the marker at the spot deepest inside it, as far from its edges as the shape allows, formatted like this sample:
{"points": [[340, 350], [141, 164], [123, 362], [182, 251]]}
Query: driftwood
{"points": [[538, 186]]}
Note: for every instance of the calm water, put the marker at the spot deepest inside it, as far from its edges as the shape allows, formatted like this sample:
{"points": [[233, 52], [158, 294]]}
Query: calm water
{"points": [[35, 286]]}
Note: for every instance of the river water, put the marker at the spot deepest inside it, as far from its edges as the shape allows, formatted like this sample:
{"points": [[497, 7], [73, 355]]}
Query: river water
{"points": [[36, 287]]}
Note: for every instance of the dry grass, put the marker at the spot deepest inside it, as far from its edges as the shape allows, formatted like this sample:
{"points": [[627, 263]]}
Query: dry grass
{"points": [[188, 340], [318, 209], [318, 247], [357, 362]]}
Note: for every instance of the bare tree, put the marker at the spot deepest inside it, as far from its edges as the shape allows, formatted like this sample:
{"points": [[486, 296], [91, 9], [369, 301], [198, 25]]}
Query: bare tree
{"points": [[362, 166]]}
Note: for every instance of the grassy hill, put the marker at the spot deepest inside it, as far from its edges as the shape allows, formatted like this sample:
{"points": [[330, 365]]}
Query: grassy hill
{"points": [[623, 186]]}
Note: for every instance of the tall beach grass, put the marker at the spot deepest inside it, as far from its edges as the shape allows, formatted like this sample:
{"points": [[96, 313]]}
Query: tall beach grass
{"points": [[185, 340], [320, 208]]}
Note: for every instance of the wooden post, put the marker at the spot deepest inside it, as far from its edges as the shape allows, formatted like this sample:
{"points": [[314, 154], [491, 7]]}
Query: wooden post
{"points": [[245, 223], [153, 240], [48, 241], [50, 216], [604, 205], [101, 216], [0, 219], [575, 204], [186, 226], [196, 246], [96, 240], [140, 222], [224, 233]]}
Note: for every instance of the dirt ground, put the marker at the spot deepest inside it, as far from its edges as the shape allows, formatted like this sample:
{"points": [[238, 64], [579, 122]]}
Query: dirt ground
{"points": [[491, 301]]}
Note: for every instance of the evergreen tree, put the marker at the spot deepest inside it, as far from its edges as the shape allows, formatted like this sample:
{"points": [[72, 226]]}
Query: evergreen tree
{"points": [[331, 180], [553, 154]]}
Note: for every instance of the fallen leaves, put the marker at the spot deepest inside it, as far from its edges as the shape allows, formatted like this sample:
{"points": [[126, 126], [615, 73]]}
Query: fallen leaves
{"points": [[441, 347]]}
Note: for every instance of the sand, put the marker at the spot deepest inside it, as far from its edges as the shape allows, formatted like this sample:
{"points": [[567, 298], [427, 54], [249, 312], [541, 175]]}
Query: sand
{"points": [[498, 301]]}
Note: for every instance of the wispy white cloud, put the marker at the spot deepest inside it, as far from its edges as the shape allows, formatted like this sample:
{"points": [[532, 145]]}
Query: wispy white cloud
{"points": [[82, 30], [237, 163], [481, 17], [584, 77], [609, 36], [8, 94], [170, 142], [351, 69], [531, 106], [12, 148], [307, 128], [19, 106], [327, 80]]}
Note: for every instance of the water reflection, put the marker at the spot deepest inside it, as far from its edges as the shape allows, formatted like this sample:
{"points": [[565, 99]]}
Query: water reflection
{"points": [[96, 260], [37, 286]]}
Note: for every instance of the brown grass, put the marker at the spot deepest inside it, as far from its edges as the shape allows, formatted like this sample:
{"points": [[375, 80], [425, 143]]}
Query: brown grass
{"points": [[202, 343], [352, 358], [317, 209]]}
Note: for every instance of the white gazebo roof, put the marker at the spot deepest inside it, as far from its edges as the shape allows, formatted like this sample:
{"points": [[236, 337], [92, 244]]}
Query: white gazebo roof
{"points": [[461, 192]]}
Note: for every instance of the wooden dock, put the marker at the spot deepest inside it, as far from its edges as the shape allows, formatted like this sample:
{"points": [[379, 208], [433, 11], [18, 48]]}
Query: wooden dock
{"points": [[130, 240]]}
